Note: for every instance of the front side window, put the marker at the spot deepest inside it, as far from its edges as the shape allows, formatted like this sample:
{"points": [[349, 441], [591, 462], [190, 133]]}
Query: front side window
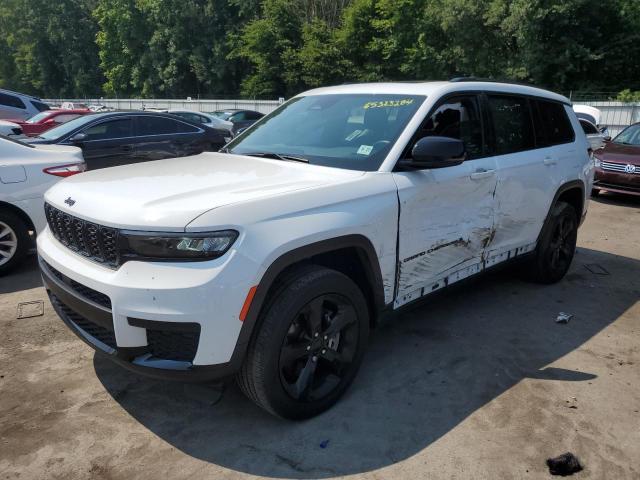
{"points": [[352, 131], [11, 101], [513, 130], [629, 136], [458, 118], [111, 129], [63, 130]]}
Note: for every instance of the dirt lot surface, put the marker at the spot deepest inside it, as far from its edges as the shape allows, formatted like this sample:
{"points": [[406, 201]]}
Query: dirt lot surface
{"points": [[480, 382]]}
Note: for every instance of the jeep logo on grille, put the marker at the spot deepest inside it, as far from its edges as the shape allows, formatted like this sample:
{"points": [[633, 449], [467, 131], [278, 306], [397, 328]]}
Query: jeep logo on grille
{"points": [[70, 201]]}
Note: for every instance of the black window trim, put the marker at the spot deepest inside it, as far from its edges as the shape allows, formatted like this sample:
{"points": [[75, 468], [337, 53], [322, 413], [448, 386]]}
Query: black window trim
{"points": [[487, 121]]}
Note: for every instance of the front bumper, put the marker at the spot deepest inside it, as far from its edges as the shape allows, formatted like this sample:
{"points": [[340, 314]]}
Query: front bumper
{"points": [[618, 182], [165, 320]]}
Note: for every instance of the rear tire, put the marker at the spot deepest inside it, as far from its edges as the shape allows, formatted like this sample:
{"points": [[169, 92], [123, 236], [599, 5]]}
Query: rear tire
{"points": [[309, 345], [14, 241], [556, 247]]}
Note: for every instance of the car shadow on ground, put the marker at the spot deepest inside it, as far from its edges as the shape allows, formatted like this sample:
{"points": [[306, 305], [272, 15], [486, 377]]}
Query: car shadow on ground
{"points": [[612, 198], [24, 277], [425, 372]]}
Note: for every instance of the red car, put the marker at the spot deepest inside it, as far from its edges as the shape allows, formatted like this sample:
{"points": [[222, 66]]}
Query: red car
{"points": [[43, 121], [618, 163]]}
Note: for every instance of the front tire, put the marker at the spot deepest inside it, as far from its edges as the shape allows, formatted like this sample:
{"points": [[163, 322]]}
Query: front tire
{"points": [[14, 241], [557, 245], [310, 343]]}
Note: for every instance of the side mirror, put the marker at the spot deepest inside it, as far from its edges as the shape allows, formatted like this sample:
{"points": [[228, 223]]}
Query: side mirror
{"points": [[435, 152], [607, 138], [78, 137]]}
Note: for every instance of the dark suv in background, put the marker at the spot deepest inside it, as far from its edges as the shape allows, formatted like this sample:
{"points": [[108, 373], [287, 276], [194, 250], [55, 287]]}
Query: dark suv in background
{"points": [[119, 138]]}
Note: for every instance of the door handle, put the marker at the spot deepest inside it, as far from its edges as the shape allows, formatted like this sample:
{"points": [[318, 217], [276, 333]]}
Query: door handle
{"points": [[549, 161], [482, 173], [126, 148]]}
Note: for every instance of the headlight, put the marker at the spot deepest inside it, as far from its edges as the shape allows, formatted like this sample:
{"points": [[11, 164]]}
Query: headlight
{"points": [[178, 246]]}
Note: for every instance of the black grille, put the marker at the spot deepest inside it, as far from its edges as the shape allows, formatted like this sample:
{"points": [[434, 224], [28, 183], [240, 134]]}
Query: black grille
{"points": [[168, 345], [93, 329], [88, 239], [86, 292]]}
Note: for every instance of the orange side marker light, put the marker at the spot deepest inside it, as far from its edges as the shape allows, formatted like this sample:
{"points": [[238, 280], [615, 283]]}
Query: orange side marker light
{"points": [[247, 303]]}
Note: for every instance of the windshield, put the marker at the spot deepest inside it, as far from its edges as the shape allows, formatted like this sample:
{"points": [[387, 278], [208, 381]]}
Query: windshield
{"points": [[352, 131], [39, 116], [629, 136], [65, 128]]}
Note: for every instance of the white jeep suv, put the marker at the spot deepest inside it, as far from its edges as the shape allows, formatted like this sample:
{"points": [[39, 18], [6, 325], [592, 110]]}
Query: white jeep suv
{"points": [[271, 261]]}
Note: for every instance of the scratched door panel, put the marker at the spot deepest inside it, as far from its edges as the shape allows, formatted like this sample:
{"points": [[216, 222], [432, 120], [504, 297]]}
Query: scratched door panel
{"points": [[446, 221]]}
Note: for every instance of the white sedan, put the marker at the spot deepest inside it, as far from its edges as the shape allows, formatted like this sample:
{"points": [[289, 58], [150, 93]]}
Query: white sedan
{"points": [[26, 172], [9, 128]]}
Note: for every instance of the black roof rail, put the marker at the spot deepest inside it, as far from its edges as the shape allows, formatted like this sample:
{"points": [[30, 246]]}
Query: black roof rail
{"points": [[492, 80]]}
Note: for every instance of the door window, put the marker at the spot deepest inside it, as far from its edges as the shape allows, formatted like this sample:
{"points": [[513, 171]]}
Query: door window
{"points": [[555, 121], [64, 118], [149, 125], [513, 130], [11, 101], [111, 129], [459, 118], [238, 117], [40, 106]]}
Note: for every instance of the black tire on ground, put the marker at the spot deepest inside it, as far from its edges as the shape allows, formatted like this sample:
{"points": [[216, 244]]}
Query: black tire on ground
{"points": [[310, 341], [595, 192], [556, 247], [14, 240]]}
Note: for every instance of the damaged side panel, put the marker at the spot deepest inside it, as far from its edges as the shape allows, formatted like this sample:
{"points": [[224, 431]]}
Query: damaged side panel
{"points": [[446, 224]]}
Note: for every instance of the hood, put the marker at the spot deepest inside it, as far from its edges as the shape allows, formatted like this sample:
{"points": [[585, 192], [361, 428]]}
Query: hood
{"points": [[168, 194], [619, 153]]}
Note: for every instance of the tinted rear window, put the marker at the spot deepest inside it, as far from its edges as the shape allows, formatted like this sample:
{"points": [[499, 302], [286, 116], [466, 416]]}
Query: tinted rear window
{"points": [[11, 101], [41, 107], [555, 122], [513, 130], [148, 125]]}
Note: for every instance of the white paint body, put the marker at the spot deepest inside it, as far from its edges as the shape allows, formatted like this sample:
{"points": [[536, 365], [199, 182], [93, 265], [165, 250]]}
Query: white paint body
{"points": [[450, 222], [9, 129], [22, 180]]}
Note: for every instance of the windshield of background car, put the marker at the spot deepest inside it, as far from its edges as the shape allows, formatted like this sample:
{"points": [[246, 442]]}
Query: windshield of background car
{"points": [[39, 116], [629, 136], [352, 131], [62, 130], [222, 115]]}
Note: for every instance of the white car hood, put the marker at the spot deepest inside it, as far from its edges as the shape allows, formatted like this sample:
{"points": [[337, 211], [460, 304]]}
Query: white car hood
{"points": [[168, 194]]}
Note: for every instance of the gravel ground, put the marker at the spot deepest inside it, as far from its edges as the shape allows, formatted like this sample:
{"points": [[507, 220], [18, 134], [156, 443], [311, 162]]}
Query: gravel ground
{"points": [[479, 382]]}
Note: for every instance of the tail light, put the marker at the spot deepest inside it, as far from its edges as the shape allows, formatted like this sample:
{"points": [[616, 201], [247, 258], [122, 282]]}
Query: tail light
{"points": [[66, 170]]}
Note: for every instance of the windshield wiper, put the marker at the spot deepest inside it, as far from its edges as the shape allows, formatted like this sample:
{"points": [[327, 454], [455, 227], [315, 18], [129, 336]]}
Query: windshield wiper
{"points": [[277, 156]]}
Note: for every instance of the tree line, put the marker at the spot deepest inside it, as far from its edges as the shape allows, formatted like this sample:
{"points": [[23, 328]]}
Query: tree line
{"points": [[273, 48]]}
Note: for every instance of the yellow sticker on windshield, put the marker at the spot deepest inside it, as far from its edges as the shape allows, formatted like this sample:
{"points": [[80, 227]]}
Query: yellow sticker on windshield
{"points": [[389, 103]]}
